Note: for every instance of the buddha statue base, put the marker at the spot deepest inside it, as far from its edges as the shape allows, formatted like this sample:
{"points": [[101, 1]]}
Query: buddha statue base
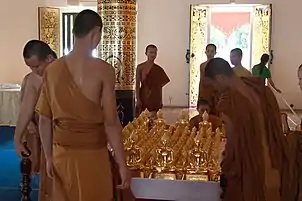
{"points": [[193, 175]]}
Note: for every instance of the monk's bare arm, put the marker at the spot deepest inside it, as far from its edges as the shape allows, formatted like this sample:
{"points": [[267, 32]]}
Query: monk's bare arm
{"points": [[23, 85], [137, 82], [271, 82], [27, 109], [31, 126], [112, 124]]}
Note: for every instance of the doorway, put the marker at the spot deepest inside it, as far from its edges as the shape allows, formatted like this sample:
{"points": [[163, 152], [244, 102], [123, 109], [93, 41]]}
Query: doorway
{"points": [[230, 26]]}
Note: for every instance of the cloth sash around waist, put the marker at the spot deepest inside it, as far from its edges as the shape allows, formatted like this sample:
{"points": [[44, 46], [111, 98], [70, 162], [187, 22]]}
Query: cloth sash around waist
{"points": [[76, 134]]}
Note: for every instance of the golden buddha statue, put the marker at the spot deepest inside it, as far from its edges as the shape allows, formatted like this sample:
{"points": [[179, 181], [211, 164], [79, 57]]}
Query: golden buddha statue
{"points": [[205, 126], [133, 153], [183, 118], [197, 162], [214, 157], [164, 160], [159, 120]]}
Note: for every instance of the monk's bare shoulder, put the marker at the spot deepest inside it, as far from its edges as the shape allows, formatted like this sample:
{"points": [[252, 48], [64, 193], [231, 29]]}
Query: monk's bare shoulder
{"points": [[203, 67], [55, 66], [24, 81], [141, 66], [32, 82]]}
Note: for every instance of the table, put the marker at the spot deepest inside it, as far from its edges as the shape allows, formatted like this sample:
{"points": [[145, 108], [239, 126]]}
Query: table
{"points": [[178, 190], [9, 106]]}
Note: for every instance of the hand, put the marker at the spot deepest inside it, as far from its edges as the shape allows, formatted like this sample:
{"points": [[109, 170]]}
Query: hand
{"points": [[278, 90], [125, 178], [49, 168], [32, 129], [20, 148]]}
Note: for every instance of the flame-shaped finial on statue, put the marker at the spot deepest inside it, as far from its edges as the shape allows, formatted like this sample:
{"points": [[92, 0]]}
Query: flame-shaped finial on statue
{"points": [[183, 118], [205, 116], [159, 121]]}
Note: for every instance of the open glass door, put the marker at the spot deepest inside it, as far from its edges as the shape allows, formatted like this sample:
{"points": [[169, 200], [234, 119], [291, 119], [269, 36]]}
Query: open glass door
{"points": [[261, 32], [198, 42], [49, 27]]}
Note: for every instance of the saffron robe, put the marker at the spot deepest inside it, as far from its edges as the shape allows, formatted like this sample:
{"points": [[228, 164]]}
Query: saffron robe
{"points": [[208, 93], [256, 158], [214, 120], [242, 72], [82, 168], [151, 90]]}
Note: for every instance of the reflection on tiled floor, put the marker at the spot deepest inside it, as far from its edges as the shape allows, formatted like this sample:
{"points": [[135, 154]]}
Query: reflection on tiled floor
{"points": [[171, 115]]}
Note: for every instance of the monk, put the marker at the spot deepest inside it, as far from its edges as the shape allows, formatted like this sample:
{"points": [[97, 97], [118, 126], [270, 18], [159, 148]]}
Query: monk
{"points": [[236, 58], [37, 55], [150, 79], [202, 107], [78, 101], [256, 154], [206, 91]]}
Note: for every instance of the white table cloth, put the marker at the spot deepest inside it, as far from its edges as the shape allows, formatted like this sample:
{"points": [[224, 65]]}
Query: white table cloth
{"points": [[9, 104]]}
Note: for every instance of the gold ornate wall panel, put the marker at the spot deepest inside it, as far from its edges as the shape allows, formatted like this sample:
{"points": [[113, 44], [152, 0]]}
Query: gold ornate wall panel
{"points": [[198, 42], [261, 33], [49, 27], [118, 43]]}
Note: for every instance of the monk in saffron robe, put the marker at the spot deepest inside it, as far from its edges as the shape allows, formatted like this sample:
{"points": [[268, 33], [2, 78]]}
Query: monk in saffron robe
{"points": [[206, 90], [203, 106], [256, 154], [78, 101], [150, 79], [236, 58], [37, 55]]}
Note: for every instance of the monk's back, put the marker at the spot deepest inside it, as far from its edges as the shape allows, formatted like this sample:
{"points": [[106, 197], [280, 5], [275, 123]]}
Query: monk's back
{"points": [[87, 76], [75, 88]]}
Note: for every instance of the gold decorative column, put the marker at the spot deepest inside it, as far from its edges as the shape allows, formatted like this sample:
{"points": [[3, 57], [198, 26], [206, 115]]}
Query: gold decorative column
{"points": [[261, 33], [118, 47], [49, 27]]}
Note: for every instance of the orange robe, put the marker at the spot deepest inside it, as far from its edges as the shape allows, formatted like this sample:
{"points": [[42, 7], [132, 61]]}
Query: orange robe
{"points": [[214, 120], [82, 167], [208, 93], [255, 163], [151, 90]]}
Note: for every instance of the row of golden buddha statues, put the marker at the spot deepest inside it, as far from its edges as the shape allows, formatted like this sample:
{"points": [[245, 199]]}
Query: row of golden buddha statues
{"points": [[173, 152]]}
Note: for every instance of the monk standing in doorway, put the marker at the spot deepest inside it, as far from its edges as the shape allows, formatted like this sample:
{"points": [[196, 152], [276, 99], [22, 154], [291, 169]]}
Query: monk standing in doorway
{"points": [[236, 58], [256, 152], [78, 101], [37, 56], [206, 91], [150, 79]]}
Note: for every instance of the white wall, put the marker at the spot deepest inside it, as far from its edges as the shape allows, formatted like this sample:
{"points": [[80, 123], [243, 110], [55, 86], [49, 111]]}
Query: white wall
{"points": [[166, 24], [19, 24]]}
